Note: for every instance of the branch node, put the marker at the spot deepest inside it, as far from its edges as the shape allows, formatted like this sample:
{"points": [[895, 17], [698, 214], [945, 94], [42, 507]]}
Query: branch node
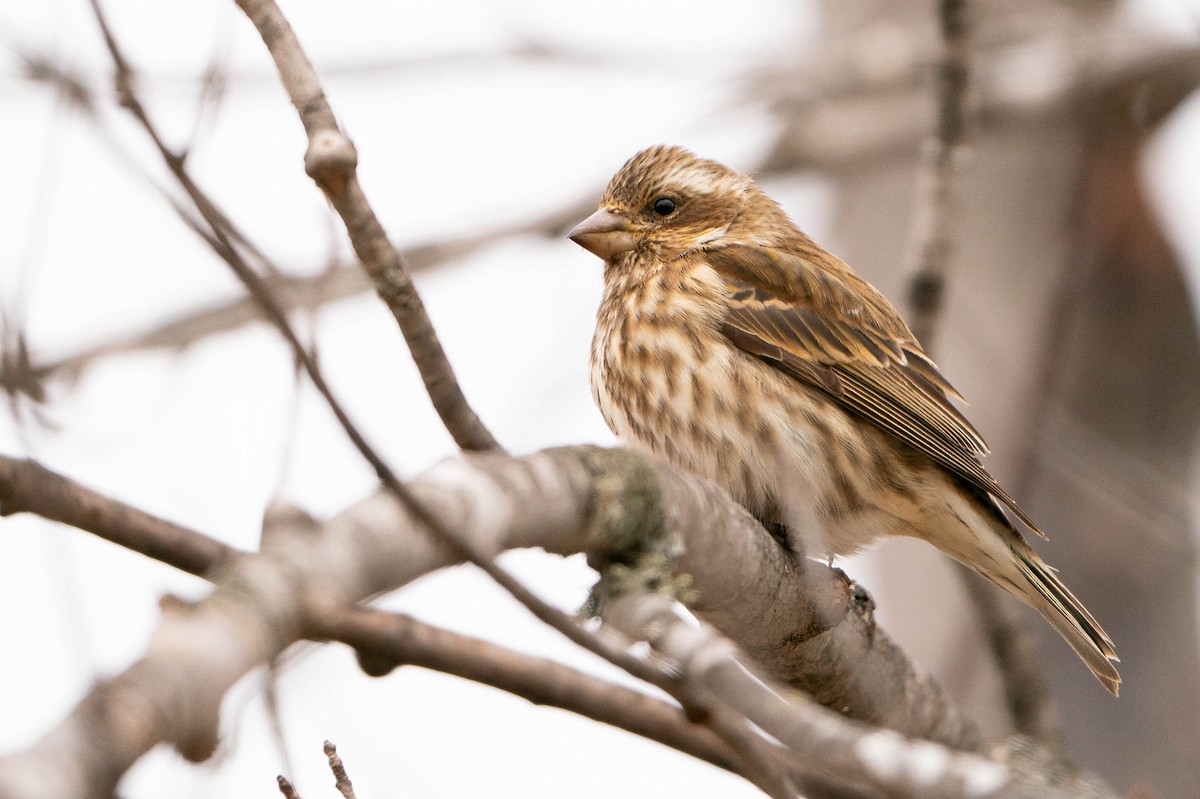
{"points": [[331, 160]]}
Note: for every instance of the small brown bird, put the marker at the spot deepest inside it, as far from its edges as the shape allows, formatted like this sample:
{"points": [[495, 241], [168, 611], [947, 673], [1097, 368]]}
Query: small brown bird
{"points": [[730, 344]]}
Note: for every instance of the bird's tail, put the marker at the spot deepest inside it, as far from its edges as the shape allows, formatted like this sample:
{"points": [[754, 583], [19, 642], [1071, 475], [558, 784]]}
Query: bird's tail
{"points": [[1046, 594]]}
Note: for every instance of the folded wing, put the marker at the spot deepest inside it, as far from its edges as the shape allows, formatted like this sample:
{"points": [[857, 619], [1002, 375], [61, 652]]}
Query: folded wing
{"points": [[811, 317]]}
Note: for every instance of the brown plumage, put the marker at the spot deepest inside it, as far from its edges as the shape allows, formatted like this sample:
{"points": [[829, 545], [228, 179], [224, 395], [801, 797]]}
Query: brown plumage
{"points": [[732, 345]]}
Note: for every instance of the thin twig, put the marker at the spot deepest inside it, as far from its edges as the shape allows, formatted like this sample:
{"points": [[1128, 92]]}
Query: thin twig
{"points": [[331, 161], [28, 487], [385, 641], [345, 788]]}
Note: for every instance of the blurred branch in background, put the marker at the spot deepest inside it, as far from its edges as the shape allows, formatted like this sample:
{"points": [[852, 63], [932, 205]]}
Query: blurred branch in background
{"points": [[863, 100], [935, 206], [1112, 458], [932, 250], [22, 375]]}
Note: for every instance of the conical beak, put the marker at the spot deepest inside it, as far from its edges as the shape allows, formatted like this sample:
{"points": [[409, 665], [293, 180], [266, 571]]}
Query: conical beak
{"points": [[604, 233]]}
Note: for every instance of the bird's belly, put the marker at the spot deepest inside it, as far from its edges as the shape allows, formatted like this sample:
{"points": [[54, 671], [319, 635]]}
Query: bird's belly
{"points": [[780, 448]]}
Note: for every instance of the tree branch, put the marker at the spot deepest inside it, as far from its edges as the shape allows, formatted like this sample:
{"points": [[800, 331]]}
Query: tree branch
{"points": [[220, 242], [384, 641], [28, 487], [570, 500], [818, 742], [331, 162], [342, 780]]}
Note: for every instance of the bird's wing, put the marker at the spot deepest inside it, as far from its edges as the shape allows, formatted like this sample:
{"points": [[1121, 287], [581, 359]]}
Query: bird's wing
{"points": [[825, 326]]}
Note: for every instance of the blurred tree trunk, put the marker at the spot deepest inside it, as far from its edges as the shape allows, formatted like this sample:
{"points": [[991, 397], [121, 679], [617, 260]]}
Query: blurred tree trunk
{"points": [[1068, 325]]}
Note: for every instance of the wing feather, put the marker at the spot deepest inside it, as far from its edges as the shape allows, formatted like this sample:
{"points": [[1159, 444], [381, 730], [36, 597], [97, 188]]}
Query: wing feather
{"points": [[809, 315]]}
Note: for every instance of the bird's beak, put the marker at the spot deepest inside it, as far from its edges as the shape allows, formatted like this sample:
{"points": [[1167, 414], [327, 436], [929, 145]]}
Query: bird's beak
{"points": [[604, 233]]}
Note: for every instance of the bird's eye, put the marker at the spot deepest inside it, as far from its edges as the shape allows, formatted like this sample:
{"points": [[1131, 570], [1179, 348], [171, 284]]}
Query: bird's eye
{"points": [[664, 206]]}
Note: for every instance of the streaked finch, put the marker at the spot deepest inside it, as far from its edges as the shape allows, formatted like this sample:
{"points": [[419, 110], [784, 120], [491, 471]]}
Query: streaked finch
{"points": [[730, 344]]}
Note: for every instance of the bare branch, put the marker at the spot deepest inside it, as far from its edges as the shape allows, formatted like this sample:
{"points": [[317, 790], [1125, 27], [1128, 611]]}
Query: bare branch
{"points": [[331, 162], [571, 500], [819, 743], [28, 487], [339, 772], [385, 641]]}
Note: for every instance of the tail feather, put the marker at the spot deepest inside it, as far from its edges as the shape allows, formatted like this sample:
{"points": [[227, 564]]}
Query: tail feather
{"points": [[1067, 615]]}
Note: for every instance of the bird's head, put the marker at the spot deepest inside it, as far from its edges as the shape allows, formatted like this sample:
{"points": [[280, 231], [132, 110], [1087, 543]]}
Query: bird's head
{"points": [[670, 202]]}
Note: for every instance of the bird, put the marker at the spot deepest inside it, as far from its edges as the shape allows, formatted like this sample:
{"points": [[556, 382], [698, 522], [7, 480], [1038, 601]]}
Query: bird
{"points": [[734, 347]]}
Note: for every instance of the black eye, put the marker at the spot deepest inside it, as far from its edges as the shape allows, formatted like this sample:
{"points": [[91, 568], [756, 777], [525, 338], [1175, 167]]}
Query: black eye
{"points": [[664, 206]]}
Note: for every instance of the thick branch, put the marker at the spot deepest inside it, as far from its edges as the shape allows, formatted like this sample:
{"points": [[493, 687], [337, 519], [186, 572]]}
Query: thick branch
{"points": [[810, 626], [572, 500]]}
